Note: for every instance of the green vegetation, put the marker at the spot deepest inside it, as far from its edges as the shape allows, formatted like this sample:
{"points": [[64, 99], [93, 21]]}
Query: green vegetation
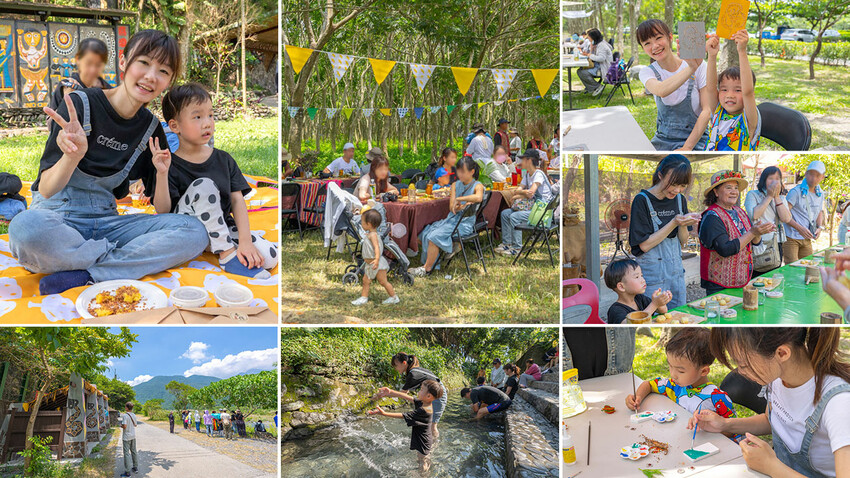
{"points": [[181, 393], [247, 392], [119, 392]]}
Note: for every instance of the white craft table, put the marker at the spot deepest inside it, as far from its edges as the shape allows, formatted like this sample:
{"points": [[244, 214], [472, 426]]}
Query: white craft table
{"points": [[609, 129]]}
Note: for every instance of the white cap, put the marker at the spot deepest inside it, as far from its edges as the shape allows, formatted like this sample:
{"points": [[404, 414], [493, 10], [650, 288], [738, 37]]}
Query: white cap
{"points": [[817, 166], [348, 146]]}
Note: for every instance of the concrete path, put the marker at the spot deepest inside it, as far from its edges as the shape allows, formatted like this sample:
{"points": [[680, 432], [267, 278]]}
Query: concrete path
{"points": [[162, 454]]}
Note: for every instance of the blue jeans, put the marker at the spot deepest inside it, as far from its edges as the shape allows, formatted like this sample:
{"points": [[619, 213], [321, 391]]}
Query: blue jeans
{"points": [[209, 430], [108, 247], [511, 236], [439, 405]]}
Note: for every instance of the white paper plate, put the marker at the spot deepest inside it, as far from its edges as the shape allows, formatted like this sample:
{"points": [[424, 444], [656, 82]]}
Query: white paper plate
{"points": [[152, 296]]}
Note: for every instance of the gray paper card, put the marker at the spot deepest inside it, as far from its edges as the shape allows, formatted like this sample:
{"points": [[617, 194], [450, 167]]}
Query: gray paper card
{"points": [[691, 40]]}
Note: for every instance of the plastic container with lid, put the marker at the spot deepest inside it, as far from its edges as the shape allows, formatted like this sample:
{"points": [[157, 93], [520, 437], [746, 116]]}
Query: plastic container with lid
{"points": [[233, 295], [573, 399], [188, 296]]}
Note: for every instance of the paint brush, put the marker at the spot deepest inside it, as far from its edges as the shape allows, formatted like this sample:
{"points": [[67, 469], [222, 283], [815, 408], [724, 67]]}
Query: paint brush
{"points": [[588, 443], [634, 387], [696, 425]]}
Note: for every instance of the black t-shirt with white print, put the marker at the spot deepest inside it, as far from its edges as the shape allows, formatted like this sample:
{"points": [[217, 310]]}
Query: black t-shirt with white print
{"points": [[220, 167], [112, 141]]}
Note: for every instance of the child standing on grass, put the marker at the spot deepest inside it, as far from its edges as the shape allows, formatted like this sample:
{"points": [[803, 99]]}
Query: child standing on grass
{"points": [[624, 277], [421, 438], [375, 264], [206, 183], [736, 123]]}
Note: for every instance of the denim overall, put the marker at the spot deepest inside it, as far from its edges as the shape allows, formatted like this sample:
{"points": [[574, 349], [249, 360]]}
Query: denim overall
{"points": [[675, 123], [79, 228], [621, 350], [662, 265], [801, 461], [440, 232]]}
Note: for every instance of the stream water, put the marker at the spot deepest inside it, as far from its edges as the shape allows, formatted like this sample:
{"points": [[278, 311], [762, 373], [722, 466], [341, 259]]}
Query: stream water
{"points": [[380, 447]]}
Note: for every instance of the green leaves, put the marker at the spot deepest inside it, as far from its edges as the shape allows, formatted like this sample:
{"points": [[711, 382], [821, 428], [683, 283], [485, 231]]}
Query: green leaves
{"points": [[245, 392]]}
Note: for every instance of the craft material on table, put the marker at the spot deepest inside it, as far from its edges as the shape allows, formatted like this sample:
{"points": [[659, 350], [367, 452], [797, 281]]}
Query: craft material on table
{"points": [[635, 451], [641, 417], [691, 40], [700, 452], [724, 300]]}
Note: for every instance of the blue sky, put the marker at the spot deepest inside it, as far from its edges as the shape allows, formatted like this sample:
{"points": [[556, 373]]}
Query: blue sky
{"points": [[215, 351]]}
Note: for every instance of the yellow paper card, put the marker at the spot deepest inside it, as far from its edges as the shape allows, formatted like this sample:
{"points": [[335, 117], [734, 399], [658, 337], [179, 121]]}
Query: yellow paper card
{"points": [[464, 77], [733, 17], [381, 68], [298, 56]]}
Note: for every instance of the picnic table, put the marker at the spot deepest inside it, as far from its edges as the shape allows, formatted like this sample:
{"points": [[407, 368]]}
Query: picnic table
{"points": [[800, 303], [569, 62], [612, 432], [611, 128]]}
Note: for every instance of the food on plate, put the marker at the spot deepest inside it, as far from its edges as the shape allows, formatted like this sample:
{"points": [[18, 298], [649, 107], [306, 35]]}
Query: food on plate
{"points": [[119, 301]]}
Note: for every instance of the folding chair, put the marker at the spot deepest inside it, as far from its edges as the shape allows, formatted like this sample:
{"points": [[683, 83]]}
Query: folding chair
{"points": [[481, 223], [786, 127], [623, 80], [316, 208], [469, 211], [417, 179], [540, 231], [408, 173], [292, 190]]}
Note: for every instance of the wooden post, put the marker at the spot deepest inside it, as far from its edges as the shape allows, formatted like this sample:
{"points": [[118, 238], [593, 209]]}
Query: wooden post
{"points": [[591, 221], [4, 372]]}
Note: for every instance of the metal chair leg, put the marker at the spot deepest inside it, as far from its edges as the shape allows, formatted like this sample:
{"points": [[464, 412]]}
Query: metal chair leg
{"points": [[630, 93], [480, 254], [546, 239], [490, 240], [465, 260]]}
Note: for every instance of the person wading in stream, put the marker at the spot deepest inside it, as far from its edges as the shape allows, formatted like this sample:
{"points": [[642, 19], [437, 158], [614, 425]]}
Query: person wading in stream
{"points": [[414, 376], [486, 400]]}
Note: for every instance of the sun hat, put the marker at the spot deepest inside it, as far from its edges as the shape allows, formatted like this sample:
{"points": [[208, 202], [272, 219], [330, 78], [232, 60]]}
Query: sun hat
{"points": [[725, 176], [285, 155], [374, 153]]}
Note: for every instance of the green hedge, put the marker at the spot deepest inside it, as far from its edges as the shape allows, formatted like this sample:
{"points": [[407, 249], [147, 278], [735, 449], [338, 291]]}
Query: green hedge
{"points": [[831, 53]]}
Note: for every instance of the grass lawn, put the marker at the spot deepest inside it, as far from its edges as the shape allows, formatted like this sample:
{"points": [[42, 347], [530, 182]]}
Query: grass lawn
{"points": [[780, 81], [313, 290]]}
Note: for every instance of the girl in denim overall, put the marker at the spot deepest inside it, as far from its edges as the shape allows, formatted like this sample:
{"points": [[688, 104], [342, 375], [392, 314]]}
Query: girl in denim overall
{"points": [[99, 141], [807, 387], [677, 126]]}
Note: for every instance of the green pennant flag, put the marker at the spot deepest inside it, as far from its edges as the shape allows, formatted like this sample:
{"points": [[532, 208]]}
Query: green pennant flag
{"points": [[347, 112], [450, 108], [312, 112]]}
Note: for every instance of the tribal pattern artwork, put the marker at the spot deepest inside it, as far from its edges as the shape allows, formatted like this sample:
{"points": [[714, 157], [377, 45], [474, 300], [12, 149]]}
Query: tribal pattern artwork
{"points": [[64, 41], [33, 63], [8, 83], [108, 37], [73, 425], [122, 38]]}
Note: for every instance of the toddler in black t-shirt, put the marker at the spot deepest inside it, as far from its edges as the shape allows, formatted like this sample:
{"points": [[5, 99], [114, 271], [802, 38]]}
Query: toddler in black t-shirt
{"points": [[624, 277], [206, 183], [421, 437]]}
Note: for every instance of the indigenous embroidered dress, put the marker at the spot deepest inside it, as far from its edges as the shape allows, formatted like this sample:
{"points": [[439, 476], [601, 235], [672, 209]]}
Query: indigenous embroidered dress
{"points": [[729, 132], [733, 271]]}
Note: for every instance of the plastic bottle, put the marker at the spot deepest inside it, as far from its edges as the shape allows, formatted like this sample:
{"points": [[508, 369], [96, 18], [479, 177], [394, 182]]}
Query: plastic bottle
{"points": [[573, 399], [568, 449], [372, 188], [411, 194]]}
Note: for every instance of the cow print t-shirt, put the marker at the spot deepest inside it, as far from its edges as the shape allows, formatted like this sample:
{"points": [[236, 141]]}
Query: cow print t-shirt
{"points": [[112, 141], [220, 167]]}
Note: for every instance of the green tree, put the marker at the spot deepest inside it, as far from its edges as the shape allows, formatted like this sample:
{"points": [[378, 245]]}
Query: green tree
{"points": [[836, 183], [246, 392], [181, 392], [119, 392], [151, 406], [821, 15]]}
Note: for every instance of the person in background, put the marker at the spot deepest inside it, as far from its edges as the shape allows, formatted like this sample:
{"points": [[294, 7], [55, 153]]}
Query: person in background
{"points": [[197, 417], [345, 163], [481, 381], [171, 422], [502, 137], [481, 146], [844, 225], [497, 375], [208, 422], [511, 384], [767, 202], [128, 440], [287, 171], [227, 424], [532, 372], [806, 201], [602, 56], [515, 144], [90, 60]]}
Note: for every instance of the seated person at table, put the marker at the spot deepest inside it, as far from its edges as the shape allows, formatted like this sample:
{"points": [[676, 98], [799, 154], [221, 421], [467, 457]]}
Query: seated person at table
{"points": [[206, 183], [535, 185], [285, 166], [443, 178], [344, 164], [465, 192], [625, 278], [689, 358], [448, 160], [500, 167], [486, 399], [736, 122], [379, 173], [375, 265]]}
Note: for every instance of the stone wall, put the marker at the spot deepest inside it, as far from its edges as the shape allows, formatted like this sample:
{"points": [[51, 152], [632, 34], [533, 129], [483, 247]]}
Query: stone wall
{"points": [[22, 118]]}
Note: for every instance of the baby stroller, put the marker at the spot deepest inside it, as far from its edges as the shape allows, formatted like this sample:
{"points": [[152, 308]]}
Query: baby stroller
{"points": [[349, 224]]}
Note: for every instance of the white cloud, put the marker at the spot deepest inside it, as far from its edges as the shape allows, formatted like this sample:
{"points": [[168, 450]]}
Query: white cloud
{"points": [[197, 352], [139, 379], [236, 364], [110, 363]]}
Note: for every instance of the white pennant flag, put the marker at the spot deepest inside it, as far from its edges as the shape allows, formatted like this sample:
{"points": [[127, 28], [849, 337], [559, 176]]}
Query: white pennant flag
{"points": [[422, 73], [331, 112], [293, 110], [402, 112], [436, 109], [367, 112], [498, 103], [503, 79], [340, 64], [466, 106]]}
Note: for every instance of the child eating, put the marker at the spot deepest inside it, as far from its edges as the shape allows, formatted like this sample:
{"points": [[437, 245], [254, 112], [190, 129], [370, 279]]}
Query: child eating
{"points": [[421, 438], [624, 277], [689, 358], [375, 264], [736, 123], [206, 183]]}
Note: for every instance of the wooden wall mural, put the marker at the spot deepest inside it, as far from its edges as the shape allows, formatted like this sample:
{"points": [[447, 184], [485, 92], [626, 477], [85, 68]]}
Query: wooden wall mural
{"points": [[33, 64], [8, 65], [107, 34], [64, 41]]}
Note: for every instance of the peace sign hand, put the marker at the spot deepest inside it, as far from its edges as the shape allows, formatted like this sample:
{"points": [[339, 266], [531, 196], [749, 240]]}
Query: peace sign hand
{"points": [[161, 157], [71, 139]]}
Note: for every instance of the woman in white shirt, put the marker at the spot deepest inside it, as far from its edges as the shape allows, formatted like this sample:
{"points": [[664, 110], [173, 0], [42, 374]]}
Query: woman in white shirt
{"points": [[534, 185], [807, 386], [767, 202]]}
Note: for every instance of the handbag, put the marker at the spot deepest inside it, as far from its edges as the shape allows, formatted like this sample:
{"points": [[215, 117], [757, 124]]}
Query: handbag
{"points": [[523, 204], [766, 255], [538, 213]]}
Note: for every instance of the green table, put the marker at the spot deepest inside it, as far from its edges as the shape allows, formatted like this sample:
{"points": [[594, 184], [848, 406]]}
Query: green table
{"points": [[800, 303]]}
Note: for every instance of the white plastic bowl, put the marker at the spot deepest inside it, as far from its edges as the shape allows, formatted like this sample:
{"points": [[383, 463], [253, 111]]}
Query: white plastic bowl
{"points": [[233, 295], [188, 297]]}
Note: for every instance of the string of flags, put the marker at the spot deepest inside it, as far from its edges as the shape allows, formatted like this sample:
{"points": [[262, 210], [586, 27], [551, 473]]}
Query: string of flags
{"points": [[463, 76], [417, 111]]}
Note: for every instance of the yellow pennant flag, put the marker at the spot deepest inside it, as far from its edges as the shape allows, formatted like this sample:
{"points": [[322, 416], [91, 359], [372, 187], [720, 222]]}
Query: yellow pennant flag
{"points": [[464, 77], [544, 79], [482, 104], [298, 56], [385, 111], [381, 68]]}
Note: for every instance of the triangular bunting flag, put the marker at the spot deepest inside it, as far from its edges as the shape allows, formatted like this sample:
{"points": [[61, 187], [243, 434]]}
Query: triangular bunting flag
{"points": [[293, 110], [298, 56], [481, 104], [340, 64], [312, 112], [554, 97], [385, 111], [450, 108], [436, 109], [422, 73], [381, 68], [418, 112], [464, 77], [347, 112], [525, 99], [466, 106], [331, 112], [402, 112], [498, 103], [513, 100], [503, 79], [367, 112], [544, 79]]}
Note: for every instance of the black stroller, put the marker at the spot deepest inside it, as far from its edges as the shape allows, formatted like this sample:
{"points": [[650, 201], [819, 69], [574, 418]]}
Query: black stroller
{"points": [[349, 224]]}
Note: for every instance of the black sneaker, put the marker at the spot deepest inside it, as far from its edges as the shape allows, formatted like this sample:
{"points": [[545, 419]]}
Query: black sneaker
{"points": [[135, 470], [126, 474]]}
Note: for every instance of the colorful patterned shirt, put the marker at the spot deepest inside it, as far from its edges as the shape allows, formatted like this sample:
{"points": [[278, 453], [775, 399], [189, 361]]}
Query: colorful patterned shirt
{"points": [[690, 397], [728, 132]]}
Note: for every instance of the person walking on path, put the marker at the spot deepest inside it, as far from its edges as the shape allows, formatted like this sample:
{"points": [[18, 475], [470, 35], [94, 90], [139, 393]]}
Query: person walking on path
{"points": [[171, 422], [128, 438]]}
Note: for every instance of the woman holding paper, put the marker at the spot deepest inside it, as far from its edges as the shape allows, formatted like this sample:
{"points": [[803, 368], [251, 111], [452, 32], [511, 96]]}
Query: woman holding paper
{"points": [[679, 87]]}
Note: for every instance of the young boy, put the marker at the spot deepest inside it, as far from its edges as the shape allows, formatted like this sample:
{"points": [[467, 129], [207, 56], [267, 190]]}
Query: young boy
{"points": [[206, 183], [443, 177], [375, 264], [689, 359], [421, 438], [624, 278], [480, 381], [735, 123]]}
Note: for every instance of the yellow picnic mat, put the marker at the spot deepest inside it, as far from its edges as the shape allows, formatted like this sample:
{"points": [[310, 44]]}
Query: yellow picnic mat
{"points": [[21, 304]]}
